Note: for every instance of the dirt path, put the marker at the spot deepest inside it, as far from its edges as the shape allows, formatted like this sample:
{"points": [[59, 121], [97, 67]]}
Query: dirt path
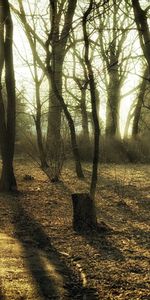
{"points": [[14, 271], [30, 267], [30, 275]]}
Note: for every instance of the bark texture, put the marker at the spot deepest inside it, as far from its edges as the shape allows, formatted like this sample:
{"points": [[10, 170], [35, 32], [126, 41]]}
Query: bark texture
{"points": [[138, 107], [94, 101], [113, 103], [75, 150], [8, 117], [54, 63], [143, 29], [85, 127], [57, 39], [84, 215]]}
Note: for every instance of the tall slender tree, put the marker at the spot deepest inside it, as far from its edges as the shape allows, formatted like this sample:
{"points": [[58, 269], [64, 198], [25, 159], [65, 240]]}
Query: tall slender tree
{"points": [[94, 100], [84, 210], [57, 41], [8, 114]]}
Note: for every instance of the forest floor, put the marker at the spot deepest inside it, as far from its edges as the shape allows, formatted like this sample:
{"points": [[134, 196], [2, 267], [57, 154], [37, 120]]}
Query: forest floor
{"points": [[41, 257]]}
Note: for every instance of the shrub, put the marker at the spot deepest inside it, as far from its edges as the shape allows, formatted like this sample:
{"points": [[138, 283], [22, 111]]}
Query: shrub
{"points": [[138, 150]]}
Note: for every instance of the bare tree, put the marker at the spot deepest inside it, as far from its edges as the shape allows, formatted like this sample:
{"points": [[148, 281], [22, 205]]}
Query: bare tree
{"points": [[83, 204], [55, 49], [143, 29], [57, 40], [113, 31], [82, 82], [141, 21], [93, 101]]}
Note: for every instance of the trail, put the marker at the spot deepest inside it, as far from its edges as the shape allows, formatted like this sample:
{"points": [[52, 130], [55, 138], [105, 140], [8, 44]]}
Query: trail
{"points": [[44, 279], [30, 267]]}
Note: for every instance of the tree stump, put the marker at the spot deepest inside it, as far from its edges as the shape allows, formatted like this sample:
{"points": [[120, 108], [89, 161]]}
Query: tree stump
{"points": [[84, 213]]}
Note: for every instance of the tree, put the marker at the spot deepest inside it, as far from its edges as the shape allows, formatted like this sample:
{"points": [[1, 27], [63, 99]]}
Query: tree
{"points": [[55, 51], [144, 37], [8, 115], [94, 101], [139, 104], [79, 93], [84, 204], [57, 39], [112, 35], [143, 29]]}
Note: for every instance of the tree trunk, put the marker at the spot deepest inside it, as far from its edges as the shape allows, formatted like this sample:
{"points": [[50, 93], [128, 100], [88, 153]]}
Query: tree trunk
{"points": [[57, 40], [84, 215], [54, 113], [37, 119], [84, 115], [40, 143], [113, 102], [111, 51], [74, 144], [54, 64], [138, 108], [128, 121], [94, 102], [7, 181], [7, 120], [143, 30]]}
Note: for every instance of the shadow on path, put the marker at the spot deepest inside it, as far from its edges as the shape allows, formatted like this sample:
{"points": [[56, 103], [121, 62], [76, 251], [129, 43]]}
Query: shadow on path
{"points": [[37, 248], [36, 244], [142, 237], [102, 242]]}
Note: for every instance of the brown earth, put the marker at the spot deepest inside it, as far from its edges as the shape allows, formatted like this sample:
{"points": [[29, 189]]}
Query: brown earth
{"points": [[41, 257]]}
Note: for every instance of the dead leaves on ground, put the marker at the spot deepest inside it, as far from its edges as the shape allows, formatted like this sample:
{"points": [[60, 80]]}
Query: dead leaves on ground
{"points": [[115, 263]]}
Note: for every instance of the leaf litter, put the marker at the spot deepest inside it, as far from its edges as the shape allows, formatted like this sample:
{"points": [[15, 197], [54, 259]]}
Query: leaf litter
{"points": [[36, 236]]}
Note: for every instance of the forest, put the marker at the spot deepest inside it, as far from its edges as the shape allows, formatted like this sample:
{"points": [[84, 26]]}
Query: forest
{"points": [[74, 149]]}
